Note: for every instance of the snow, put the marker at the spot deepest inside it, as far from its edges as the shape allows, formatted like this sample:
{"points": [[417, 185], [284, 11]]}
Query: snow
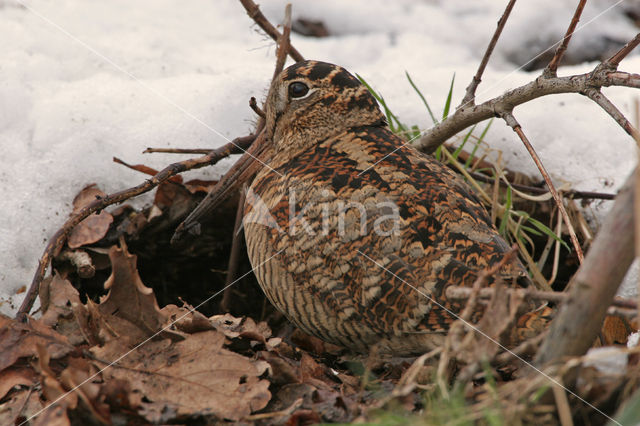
{"points": [[81, 82]]}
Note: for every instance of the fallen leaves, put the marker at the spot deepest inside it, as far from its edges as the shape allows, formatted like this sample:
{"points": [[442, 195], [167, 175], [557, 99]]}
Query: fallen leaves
{"points": [[94, 227], [120, 356]]}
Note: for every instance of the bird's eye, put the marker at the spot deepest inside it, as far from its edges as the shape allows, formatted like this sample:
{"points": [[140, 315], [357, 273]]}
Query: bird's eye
{"points": [[297, 89]]}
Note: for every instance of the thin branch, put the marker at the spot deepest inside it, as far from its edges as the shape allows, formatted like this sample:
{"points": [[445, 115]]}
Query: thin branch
{"points": [[513, 123], [470, 95], [465, 117], [533, 189], [56, 242], [234, 257], [598, 97], [594, 286], [463, 293], [619, 78], [614, 61], [284, 44], [552, 68], [201, 151], [254, 106], [253, 10]]}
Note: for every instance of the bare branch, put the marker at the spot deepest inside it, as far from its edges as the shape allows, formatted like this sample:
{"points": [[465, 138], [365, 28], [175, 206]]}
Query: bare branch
{"points": [[594, 285], [513, 123], [619, 78], [56, 242], [598, 97], [464, 293], [552, 68], [614, 61], [253, 10], [254, 106], [234, 258], [464, 117], [284, 44], [470, 96], [201, 151], [535, 190]]}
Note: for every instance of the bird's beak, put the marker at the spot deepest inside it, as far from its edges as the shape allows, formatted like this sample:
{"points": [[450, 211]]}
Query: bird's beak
{"points": [[243, 170]]}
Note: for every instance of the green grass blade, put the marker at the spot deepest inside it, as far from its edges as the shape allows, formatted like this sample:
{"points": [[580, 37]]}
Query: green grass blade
{"points": [[464, 142], [424, 100], [547, 231], [477, 145], [447, 104]]}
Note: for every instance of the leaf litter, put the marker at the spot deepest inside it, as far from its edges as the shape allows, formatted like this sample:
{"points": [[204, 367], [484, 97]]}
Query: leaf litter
{"points": [[111, 348]]}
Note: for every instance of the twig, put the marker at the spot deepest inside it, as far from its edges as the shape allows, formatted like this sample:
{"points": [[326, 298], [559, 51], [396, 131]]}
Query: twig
{"points": [[81, 260], [552, 68], [529, 346], [513, 123], [462, 293], [570, 193], [201, 151], [614, 60], [253, 10], [284, 44], [254, 106], [234, 257], [60, 237], [562, 403], [470, 95], [598, 97], [580, 318], [464, 117]]}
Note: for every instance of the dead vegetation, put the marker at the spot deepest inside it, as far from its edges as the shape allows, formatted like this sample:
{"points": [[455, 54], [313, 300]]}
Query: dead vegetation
{"points": [[107, 348]]}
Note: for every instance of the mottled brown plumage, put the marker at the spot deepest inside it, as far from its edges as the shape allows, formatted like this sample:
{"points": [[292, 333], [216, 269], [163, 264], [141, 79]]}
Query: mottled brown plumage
{"points": [[354, 235]]}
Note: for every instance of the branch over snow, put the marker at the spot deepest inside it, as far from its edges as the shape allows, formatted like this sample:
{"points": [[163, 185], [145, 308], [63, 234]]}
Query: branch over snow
{"points": [[595, 284], [541, 86]]}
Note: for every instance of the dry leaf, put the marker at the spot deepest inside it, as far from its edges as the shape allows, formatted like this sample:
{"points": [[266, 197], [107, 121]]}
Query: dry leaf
{"points": [[21, 339], [198, 185], [58, 301], [128, 297], [20, 406], [52, 389], [77, 377], [15, 376], [196, 376], [186, 319], [94, 227]]}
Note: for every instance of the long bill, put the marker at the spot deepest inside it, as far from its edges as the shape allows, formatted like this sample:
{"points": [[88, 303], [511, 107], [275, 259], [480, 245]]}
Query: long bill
{"points": [[251, 161]]}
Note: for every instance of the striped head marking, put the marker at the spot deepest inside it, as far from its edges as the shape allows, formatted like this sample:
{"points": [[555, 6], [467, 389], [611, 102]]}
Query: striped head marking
{"points": [[311, 101]]}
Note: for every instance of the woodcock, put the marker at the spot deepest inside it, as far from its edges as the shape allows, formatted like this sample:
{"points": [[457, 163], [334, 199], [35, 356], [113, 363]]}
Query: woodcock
{"points": [[352, 233]]}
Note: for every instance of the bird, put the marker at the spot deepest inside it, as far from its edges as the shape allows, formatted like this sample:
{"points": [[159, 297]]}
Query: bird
{"points": [[352, 233]]}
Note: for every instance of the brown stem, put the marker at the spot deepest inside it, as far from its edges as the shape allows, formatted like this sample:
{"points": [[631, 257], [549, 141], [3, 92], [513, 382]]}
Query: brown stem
{"points": [[619, 78], [234, 257], [465, 117], [56, 242], [614, 61], [552, 68], [201, 151], [253, 10], [463, 293], [513, 123], [470, 95], [594, 285], [254, 106], [533, 189], [598, 97], [284, 44]]}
